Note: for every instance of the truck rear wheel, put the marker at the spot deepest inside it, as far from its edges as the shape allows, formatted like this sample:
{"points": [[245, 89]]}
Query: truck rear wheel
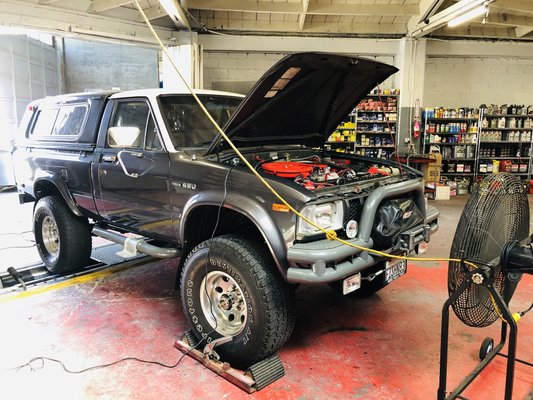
{"points": [[229, 288], [63, 240]]}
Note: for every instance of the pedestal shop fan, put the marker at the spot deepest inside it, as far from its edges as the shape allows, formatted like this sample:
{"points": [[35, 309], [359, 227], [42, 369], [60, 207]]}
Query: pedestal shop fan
{"points": [[493, 243]]}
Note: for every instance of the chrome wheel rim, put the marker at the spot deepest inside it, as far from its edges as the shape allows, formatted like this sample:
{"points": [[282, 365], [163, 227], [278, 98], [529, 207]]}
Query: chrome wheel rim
{"points": [[223, 303], [50, 236]]}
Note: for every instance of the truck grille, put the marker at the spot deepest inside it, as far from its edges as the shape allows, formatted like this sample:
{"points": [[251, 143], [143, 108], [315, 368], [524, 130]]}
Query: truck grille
{"points": [[355, 207]]}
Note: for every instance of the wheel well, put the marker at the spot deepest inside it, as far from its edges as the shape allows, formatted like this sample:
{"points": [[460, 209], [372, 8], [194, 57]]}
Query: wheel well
{"points": [[45, 188], [202, 224]]}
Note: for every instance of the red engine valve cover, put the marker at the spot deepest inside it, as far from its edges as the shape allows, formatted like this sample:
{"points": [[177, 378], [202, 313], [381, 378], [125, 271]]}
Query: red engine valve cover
{"points": [[290, 169]]}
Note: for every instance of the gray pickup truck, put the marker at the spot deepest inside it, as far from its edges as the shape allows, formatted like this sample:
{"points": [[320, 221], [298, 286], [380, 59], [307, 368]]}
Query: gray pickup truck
{"points": [[148, 162]]}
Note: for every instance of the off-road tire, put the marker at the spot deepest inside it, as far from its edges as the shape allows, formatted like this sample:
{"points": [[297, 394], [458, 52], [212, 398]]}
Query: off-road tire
{"points": [[73, 241], [268, 320]]}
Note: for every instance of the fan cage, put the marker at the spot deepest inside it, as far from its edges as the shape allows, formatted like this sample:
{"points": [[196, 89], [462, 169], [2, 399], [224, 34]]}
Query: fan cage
{"points": [[495, 214]]}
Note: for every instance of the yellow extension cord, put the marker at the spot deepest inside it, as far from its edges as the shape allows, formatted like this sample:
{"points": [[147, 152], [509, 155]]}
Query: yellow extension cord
{"points": [[330, 234]]}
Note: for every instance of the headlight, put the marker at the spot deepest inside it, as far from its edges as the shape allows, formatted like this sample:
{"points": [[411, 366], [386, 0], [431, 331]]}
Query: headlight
{"points": [[325, 215]]}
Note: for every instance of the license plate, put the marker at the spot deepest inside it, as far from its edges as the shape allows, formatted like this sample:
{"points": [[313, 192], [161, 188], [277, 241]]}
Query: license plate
{"points": [[351, 284], [395, 269]]}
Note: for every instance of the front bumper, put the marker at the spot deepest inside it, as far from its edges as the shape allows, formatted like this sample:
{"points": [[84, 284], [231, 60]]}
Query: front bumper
{"points": [[326, 261]]}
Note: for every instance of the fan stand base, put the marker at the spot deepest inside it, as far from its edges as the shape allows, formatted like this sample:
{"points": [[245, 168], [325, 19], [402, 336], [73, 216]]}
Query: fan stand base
{"points": [[508, 324]]}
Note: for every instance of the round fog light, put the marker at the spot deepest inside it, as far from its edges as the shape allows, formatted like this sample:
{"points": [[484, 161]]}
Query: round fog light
{"points": [[351, 228]]}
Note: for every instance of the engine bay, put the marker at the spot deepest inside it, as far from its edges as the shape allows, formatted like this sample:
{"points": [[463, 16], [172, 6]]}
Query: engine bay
{"points": [[317, 172]]}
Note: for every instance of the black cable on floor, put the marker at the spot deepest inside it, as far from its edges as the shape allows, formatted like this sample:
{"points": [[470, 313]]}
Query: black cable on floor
{"points": [[42, 359]]}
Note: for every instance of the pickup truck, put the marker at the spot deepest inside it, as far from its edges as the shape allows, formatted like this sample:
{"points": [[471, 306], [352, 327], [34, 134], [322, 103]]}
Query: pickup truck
{"points": [[149, 163]]}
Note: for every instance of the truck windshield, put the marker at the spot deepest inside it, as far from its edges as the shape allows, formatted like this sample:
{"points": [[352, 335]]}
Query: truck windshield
{"points": [[186, 123]]}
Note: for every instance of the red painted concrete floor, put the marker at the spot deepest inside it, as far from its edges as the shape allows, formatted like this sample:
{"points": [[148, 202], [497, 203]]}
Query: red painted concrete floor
{"points": [[382, 347]]}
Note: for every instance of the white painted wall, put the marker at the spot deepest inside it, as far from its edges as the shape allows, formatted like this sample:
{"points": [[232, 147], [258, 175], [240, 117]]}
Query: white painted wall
{"points": [[28, 71], [467, 73], [237, 71], [234, 63], [186, 58], [471, 81]]}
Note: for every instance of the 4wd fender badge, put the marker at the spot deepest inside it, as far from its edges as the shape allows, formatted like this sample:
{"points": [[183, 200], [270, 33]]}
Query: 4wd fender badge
{"points": [[184, 185], [407, 214]]}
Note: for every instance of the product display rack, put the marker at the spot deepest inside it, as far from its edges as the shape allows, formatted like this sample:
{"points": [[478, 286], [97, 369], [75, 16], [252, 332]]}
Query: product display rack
{"points": [[343, 138], [474, 145], [455, 133], [377, 118], [505, 137], [371, 128]]}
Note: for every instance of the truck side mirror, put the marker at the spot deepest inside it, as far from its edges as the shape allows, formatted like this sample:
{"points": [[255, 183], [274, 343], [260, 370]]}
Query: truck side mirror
{"points": [[123, 136]]}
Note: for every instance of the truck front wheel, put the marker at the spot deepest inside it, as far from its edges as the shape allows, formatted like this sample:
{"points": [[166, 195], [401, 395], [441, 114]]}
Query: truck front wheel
{"points": [[229, 287], [63, 240]]}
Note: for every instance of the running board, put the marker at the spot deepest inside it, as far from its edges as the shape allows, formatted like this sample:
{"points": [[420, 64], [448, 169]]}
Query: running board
{"points": [[255, 378], [132, 245]]}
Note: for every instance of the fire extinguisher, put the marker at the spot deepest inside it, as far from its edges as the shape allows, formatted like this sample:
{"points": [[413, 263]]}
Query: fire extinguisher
{"points": [[416, 120]]}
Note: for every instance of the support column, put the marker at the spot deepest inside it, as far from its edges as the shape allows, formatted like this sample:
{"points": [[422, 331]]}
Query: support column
{"points": [[187, 56], [411, 61]]}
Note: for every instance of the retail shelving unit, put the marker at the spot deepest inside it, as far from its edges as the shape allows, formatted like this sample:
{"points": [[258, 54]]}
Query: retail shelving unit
{"points": [[473, 142], [505, 137], [455, 133], [370, 129], [343, 138]]}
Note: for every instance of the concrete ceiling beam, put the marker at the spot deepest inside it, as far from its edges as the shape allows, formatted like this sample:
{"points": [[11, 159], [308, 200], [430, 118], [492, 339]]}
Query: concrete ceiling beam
{"points": [[98, 6], [296, 8], [310, 27], [520, 6], [523, 31], [301, 17], [64, 22]]}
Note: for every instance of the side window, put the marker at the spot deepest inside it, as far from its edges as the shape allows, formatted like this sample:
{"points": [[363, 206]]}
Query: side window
{"points": [[67, 120], [152, 139], [137, 114], [70, 119], [44, 122]]}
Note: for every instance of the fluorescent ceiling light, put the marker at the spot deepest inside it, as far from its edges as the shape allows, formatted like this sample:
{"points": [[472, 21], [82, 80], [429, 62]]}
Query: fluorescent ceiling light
{"points": [[170, 7], [469, 15]]}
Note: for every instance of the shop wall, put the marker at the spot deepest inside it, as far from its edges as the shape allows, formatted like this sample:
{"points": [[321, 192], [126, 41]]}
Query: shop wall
{"points": [[28, 71], [468, 73], [236, 63], [237, 71], [90, 65]]}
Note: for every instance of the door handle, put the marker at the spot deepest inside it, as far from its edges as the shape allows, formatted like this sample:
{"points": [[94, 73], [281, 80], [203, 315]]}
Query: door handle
{"points": [[109, 158], [121, 162]]}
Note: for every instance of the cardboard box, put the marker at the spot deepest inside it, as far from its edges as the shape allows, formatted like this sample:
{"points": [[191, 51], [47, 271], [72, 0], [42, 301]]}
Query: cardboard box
{"points": [[431, 170], [442, 192]]}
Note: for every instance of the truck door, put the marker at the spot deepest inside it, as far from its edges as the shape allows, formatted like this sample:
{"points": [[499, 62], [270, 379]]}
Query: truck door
{"points": [[133, 181]]}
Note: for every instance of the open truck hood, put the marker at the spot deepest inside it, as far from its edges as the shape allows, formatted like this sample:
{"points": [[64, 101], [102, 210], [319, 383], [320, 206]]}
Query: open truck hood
{"points": [[301, 100]]}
